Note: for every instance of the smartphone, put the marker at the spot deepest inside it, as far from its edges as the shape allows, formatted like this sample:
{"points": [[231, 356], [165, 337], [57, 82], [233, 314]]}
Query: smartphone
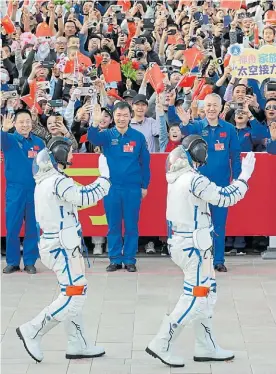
{"points": [[198, 16], [48, 64], [56, 103], [249, 91], [226, 21], [180, 47], [59, 119], [117, 8], [236, 106], [87, 91], [271, 86], [148, 23], [172, 32]]}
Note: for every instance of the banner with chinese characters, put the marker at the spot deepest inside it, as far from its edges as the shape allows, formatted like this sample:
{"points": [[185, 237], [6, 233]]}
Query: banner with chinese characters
{"points": [[255, 215], [258, 64]]}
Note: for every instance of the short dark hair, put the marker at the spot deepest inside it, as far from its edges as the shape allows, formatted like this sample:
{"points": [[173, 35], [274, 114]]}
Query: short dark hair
{"points": [[265, 28], [21, 111], [269, 100], [239, 85], [6, 45], [122, 105]]}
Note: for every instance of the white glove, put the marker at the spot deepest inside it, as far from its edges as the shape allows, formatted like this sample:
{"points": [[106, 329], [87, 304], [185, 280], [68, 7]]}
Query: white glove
{"points": [[103, 167], [248, 164]]}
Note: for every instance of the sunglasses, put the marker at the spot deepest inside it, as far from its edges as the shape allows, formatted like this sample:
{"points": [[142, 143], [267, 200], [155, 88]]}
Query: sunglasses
{"points": [[270, 107]]}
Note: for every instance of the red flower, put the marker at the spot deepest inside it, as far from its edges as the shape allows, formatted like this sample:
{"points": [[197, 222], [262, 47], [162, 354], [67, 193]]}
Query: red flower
{"points": [[135, 65]]}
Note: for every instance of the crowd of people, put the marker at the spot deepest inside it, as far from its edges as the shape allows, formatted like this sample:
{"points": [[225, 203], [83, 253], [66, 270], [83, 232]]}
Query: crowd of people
{"points": [[65, 64]]}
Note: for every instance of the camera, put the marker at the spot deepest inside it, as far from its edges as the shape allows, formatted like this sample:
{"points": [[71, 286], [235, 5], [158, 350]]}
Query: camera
{"points": [[139, 54], [108, 36], [140, 40], [172, 32]]}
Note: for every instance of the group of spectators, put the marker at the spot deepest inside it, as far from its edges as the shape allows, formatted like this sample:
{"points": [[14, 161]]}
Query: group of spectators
{"points": [[61, 58]]}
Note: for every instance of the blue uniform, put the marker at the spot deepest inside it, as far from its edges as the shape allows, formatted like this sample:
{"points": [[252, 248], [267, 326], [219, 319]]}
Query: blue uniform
{"points": [[128, 160], [223, 162], [271, 146], [19, 153], [249, 136]]}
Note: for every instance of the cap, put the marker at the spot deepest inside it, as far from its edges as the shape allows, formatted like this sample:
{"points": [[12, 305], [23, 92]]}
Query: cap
{"points": [[129, 93], [108, 111], [140, 98]]}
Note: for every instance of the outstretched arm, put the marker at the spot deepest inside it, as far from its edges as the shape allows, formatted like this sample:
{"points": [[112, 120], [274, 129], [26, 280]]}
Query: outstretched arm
{"points": [[225, 196], [83, 196]]}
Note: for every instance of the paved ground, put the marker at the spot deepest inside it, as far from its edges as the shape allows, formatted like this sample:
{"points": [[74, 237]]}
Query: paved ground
{"points": [[124, 311]]}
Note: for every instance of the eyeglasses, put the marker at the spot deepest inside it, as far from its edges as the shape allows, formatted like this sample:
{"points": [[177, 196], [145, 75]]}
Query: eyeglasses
{"points": [[270, 107]]}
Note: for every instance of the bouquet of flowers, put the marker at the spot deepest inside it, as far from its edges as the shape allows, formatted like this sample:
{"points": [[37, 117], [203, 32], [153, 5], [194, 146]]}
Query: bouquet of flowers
{"points": [[129, 68]]}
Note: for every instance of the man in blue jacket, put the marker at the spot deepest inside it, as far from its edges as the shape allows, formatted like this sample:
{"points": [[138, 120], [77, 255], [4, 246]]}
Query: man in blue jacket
{"points": [[223, 160], [19, 151], [129, 163]]}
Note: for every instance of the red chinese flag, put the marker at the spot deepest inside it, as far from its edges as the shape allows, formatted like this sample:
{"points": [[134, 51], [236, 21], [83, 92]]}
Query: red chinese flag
{"points": [[231, 4], [131, 29], [82, 59], [198, 88], [30, 101], [98, 59], [32, 86], [207, 89], [8, 25], [126, 4], [113, 93], [155, 78], [193, 57], [187, 81], [43, 29], [83, 138], [270, 16], [227, 59], [172, 39], [112, 72], [69, 67]]}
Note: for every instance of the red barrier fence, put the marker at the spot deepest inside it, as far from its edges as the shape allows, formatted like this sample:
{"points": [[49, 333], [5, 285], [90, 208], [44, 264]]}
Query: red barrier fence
{"points": [[255, 215]]}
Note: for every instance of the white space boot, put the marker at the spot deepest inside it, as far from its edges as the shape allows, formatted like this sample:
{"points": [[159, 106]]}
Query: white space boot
{"points": [[206, 348], [160, 346], [77, 346], [31, 333]]}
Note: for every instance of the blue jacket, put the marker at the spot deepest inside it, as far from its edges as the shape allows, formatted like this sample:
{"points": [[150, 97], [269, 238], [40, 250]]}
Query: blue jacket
{"points": [[127, 156], [223, 148], [19, 154], [251, 135], [271, 146]]}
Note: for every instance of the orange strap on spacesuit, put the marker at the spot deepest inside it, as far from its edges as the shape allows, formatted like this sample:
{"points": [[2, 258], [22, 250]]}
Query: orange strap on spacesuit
{"points": [[74, 290], [200, 291]]}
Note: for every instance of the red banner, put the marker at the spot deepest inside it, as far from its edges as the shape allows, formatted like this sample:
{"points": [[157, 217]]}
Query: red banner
{"points": [[255, 215]]}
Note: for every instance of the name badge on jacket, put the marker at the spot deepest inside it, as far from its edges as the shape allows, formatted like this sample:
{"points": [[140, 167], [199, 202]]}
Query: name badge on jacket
{"points": [[128, 148], [219, 147]]}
